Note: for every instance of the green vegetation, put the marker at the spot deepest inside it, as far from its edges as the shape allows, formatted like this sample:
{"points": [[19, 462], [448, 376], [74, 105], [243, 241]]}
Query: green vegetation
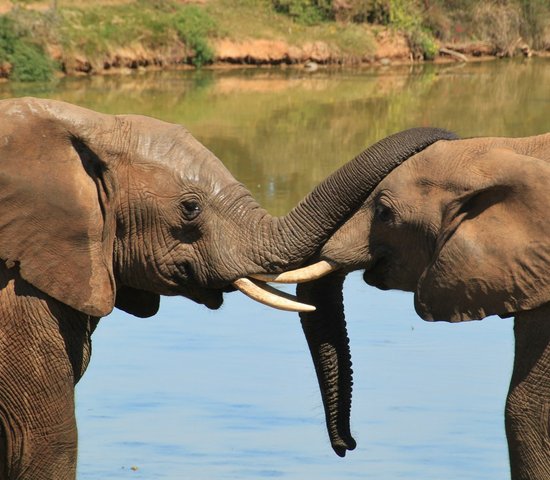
{"points": [[115, 32], [505, 24], [92, 36], [27, 59], [502, 23], [308, 12], [97, 30], [194, 26]]}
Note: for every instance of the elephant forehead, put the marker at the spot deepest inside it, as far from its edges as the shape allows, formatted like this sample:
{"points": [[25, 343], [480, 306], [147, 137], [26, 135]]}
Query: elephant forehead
{"points": [[409, 182], [432, 173], [173, 148]]}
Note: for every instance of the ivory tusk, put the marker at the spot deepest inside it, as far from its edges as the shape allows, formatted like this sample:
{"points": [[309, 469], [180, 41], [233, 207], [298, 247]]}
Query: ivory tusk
{"points": [[270, 296], [300, 275]]}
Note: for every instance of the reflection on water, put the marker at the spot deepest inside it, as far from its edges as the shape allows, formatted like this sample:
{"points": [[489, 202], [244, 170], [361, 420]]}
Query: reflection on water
{"points": [[281, 132], [231, 394]]}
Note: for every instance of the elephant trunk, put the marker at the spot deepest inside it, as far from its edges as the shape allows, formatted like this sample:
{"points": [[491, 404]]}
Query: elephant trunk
{"points": [[326, 335], [288, 241]]}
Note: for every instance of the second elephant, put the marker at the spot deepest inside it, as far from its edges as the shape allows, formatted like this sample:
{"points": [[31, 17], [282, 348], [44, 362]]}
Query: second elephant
{"points": [[464, 225]]}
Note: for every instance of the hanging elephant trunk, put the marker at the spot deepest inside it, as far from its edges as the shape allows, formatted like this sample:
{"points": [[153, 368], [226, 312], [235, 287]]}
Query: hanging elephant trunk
{"points": [[326, 335]]}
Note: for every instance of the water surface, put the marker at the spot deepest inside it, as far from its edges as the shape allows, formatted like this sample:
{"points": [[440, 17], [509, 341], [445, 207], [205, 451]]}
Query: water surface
{"points": [[195, 394]]}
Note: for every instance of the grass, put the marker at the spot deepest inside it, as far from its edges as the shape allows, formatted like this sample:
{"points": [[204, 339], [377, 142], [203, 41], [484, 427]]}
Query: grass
{"points": [[184, 32], [18, 47], [245, 19], [194, 25], [97, 30]]}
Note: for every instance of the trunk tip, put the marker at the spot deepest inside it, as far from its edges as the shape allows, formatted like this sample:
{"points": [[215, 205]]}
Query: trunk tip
{"points": [[341, 446], [339, 450]]}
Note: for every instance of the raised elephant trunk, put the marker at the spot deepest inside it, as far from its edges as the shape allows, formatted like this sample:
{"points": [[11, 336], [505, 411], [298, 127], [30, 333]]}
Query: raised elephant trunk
{"points": [[296, 236], [283, 243]]}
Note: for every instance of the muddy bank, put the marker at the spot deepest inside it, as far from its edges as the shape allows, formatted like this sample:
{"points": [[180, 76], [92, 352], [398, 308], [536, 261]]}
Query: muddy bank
{"points": [[391, 49]]}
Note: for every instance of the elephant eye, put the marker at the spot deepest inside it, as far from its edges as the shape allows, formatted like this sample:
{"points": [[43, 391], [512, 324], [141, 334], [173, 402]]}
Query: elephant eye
{"points": [[191, 209], [383, 213]]}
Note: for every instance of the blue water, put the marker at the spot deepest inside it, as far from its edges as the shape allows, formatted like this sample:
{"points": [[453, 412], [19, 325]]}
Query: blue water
{"points": [[195, 394]]}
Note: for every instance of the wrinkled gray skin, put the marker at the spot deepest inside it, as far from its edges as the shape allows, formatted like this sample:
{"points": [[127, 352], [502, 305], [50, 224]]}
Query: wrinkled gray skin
{"points": [[99, 211], [463, 225]]}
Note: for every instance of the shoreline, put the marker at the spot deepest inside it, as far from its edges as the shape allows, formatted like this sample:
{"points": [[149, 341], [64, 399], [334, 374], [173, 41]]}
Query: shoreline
{"points": [[259, 53]]}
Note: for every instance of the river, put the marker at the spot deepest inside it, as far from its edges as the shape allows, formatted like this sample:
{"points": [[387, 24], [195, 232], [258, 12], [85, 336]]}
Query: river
{"points": [[231, 394]]}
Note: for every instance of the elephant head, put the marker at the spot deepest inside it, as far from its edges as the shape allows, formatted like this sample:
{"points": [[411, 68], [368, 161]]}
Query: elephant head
{"points": [[462, 224], [101, 210]]}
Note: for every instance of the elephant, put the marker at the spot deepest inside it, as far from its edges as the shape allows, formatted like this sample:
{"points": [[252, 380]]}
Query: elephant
{"points": [[463, 225], [101, 211]]}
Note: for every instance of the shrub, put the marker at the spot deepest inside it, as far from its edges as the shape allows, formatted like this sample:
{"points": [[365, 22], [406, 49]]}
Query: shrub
{"points": [[499, 23], [28, 60], [536, 21], [362, 11], [423, 44], [8, 38], [30, 64], [307, 12], [194, 25]]}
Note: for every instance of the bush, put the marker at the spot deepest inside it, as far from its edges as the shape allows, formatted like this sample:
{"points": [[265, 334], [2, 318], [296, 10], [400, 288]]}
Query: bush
{"points": [[499, 23], [408, 17], [423, 44], [30, 64], [28, 61], [536, 21], [194, 25], [8, 38], [307, 12]]}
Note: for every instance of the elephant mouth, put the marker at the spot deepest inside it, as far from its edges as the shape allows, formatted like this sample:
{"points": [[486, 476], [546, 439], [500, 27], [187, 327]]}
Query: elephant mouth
{"points": [[375, 274], [257, 288], [214, 301], [210, 298]]}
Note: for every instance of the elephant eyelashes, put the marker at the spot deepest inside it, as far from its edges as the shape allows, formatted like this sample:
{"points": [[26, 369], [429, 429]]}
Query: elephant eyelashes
{"points": [[383, 213], [191, 209]]}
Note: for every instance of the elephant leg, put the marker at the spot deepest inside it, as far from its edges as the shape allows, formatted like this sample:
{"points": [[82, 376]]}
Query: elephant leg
{"points": [[44, 349], [37, 418], [527, 415], [41, 450]]}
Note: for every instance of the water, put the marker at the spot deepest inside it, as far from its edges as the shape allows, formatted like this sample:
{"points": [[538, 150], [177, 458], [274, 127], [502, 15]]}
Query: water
{"points": [[195, 394]]}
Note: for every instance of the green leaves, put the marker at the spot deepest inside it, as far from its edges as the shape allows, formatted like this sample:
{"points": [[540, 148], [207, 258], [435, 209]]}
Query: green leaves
{"points": [[194, 25], [28, 60]]}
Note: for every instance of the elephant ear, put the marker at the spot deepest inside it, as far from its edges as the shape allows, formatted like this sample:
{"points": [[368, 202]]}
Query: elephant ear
{"points": [[55, 221], [492, 255]]}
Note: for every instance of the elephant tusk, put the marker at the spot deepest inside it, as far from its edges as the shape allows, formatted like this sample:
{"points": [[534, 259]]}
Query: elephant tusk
{"points": [[270, 296], [300, 275]]}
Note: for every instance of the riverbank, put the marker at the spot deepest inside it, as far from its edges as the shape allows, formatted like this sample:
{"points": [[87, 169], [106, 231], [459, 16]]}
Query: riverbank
{"points": [[39, 39]]}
